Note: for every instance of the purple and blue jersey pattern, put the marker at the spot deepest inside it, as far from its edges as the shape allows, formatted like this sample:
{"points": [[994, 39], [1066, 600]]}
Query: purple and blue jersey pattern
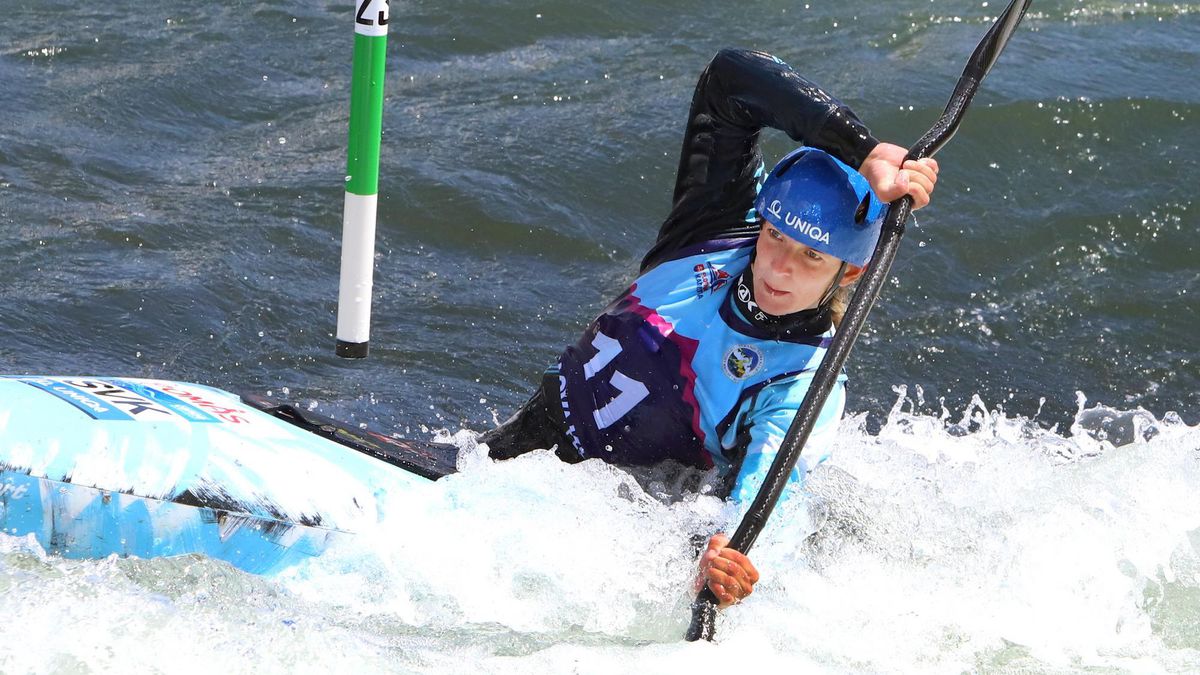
{"points": [[670, 370]]}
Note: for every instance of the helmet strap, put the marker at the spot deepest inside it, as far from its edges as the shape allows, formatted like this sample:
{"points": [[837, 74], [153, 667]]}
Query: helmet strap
{"points": [[837, 280]]}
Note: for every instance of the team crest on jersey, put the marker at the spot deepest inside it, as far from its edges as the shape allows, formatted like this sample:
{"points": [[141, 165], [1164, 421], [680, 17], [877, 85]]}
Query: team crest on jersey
{"points": [[709, 278], [741, 361]]}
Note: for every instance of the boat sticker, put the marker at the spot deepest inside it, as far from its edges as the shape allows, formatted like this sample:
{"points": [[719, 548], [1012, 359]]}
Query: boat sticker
{"points": [[93, 406], [119, 400], [222, 410], [187, 410]]}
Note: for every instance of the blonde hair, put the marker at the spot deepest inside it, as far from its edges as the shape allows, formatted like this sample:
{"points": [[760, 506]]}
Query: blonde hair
{"points": [[838, 303]]}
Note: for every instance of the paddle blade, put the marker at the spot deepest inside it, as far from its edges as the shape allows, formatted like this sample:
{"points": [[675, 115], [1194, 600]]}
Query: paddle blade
{"points": [[979, 65], [993, 43]]}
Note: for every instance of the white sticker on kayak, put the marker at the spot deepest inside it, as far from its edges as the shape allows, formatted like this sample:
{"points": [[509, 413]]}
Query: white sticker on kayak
{"points": [[119, 400]]}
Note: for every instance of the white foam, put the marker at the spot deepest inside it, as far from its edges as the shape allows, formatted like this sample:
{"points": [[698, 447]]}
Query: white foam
{"points": [[968, 541]]}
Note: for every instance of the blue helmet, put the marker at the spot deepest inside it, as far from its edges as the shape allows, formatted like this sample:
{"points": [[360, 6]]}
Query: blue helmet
{"points": [[819, 201]]}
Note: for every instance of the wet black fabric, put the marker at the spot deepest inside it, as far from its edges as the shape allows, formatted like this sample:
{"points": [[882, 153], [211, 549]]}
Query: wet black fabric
{"points": [[738, 94], [536, 425], [799, 326]]}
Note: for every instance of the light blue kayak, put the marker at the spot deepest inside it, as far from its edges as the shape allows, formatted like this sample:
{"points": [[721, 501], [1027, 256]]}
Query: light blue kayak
{"points": [[93, 467]]}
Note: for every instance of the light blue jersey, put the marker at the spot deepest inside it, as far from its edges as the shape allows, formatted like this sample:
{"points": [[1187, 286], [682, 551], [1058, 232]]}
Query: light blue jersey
{"points": [[674, 369]]}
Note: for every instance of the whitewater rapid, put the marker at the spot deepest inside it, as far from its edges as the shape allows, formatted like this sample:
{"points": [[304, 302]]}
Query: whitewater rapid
{"points": [[968, 541]]}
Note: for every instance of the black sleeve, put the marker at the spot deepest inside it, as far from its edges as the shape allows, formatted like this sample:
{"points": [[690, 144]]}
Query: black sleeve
{"points": [[738, 94]]}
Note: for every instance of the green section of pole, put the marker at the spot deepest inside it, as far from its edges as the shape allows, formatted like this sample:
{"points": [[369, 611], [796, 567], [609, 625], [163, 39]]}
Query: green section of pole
{"points": [[362, 179], [366, 114]]}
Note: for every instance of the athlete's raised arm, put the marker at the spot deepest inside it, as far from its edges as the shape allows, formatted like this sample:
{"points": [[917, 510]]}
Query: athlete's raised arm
{"points": [[738, 94]]}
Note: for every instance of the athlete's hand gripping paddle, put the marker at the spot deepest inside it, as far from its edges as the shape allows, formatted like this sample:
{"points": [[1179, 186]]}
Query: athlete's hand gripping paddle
{"points": [[704, 610]]}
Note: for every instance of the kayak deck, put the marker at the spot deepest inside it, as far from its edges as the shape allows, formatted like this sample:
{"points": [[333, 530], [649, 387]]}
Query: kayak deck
{"points": [[93, 467]]}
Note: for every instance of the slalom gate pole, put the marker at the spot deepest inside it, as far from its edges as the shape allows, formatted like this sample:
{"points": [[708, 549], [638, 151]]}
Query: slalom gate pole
{"points": [[362, 178]]}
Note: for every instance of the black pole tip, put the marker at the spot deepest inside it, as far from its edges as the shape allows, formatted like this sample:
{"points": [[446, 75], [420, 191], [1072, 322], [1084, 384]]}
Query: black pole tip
{"points": [[352, 350]]}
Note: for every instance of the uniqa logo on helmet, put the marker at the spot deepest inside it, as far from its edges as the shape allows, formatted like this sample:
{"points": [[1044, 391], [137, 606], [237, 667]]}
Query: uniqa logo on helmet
{"points": [[797, 223], [821, 202]]}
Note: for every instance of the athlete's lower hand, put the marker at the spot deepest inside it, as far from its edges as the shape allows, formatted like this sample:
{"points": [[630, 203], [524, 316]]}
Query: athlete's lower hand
{"points": [[730, 574], [891, 177]]}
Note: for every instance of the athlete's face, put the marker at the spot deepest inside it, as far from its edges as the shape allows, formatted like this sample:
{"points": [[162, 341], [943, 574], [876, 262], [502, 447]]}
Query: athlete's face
{"points": [[789, 276]]}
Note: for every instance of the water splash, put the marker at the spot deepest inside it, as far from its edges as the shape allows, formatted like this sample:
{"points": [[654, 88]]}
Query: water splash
{"points": [[962, 540]]}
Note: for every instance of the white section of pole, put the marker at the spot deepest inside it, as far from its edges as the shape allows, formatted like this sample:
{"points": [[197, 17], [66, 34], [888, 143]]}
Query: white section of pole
{"points": [[358, 266]]}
